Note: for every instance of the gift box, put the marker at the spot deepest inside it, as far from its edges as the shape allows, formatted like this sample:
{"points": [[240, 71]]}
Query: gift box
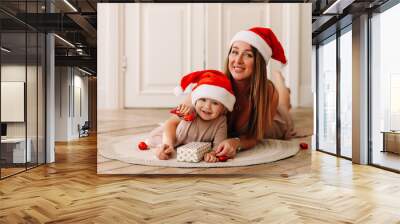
{"points": [[192, 152]]}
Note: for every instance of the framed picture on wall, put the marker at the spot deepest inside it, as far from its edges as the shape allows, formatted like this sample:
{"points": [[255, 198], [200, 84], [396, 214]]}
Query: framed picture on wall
{"points": [[12, 101]]}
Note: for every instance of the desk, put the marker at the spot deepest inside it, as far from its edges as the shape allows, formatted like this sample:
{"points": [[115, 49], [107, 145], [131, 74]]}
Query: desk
{"points": [[15, 148], [391, 141]]}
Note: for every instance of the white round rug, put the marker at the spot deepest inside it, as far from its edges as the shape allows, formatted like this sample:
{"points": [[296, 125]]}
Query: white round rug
{"points": [[125, 149]]}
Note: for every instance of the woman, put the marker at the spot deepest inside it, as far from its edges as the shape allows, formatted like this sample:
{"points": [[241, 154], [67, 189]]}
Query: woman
{"points": [[262, 108]]}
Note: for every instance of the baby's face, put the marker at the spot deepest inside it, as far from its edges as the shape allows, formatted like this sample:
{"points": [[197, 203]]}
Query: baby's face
{"points": [[209, 109]]}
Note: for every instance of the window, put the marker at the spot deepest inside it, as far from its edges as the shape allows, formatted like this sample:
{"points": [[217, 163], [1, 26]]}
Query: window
{"points": [[346, 93], [22, 65], [327, 96], [385, 89]]}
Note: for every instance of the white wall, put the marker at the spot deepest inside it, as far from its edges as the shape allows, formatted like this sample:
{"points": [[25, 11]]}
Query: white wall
{"points": [[80, 83], [62, 83], [292, 24], [67, 81], [306, 90], [109, 55]]}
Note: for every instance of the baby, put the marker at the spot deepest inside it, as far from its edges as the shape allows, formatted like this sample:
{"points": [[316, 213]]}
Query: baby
{"points": [[211, 96]]}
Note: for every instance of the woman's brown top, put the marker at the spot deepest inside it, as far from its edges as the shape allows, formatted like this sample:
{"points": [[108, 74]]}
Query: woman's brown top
{"points": [[240, 116]]}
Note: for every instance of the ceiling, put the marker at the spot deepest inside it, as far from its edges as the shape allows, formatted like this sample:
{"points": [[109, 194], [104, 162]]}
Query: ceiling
{"points": [[76, 24], [76, 21]]}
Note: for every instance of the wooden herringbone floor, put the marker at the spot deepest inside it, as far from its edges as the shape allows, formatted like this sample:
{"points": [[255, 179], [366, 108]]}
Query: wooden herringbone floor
{"points": [[70, 191]]}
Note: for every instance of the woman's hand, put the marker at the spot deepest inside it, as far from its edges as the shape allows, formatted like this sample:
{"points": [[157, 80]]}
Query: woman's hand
{"points": [[164, 151], [228, 147], [210, 157]]}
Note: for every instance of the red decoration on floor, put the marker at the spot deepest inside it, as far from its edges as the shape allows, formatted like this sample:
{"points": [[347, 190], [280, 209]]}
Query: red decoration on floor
{"points": [[143, 146], [222, 158], [304, 146]]}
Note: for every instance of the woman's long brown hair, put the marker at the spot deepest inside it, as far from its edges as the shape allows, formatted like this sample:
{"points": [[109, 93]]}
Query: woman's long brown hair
{"points": [[259, 118]]}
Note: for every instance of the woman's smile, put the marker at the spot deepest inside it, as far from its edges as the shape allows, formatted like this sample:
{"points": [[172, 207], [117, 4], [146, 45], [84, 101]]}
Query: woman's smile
{"points": [[238, 68]]}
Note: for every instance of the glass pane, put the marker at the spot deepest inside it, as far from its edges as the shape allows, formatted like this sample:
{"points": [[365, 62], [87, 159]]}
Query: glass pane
{"points": [[386, 89], [31, 100], [13, 86], [327, 97], [346, 94]]}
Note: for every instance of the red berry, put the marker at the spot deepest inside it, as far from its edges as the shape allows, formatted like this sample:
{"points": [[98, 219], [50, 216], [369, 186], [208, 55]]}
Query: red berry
{"points": [[143, 146], [189, 117], [222, 158], [303, 146]]}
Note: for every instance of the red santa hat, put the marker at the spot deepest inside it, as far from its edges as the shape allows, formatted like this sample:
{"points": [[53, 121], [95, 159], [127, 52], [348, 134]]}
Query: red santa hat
{"points": [[211, 84], [264, 40]]}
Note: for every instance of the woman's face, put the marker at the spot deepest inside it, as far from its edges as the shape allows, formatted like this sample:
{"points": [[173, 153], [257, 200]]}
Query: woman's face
{"points": [[241, 60], [209, 109]]}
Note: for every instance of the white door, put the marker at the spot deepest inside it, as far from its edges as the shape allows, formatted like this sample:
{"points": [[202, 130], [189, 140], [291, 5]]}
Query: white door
{"points": [[162, 43]]}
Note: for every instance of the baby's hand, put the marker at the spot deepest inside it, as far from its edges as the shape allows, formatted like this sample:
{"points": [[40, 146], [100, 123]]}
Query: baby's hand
{"points": [[185, 112], [164, 152], [210, 157], [184, 109]]}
